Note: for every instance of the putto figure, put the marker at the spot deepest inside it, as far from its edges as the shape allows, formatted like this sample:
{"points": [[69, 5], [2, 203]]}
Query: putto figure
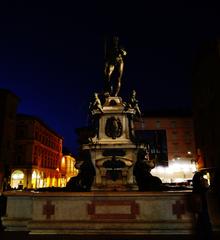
{"points": [[114, 65], [134, 103], [96, 104]]}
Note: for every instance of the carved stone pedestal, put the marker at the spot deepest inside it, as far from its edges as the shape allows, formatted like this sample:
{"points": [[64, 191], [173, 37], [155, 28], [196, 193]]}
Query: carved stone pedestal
{"points": [[112, 151]]}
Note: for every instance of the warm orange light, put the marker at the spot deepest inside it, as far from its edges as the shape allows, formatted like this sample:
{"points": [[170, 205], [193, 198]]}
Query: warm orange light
{"points": [[63, 162]]}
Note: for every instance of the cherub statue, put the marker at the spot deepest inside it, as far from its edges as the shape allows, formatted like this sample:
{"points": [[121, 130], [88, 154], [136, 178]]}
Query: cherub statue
{"points": [[134, 103], [96, 104]]}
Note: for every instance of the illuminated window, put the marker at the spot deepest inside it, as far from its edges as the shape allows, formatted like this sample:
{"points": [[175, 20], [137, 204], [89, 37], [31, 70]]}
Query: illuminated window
{"points": [[63, 163], [36, 179], [17, 178], [17, 175]]}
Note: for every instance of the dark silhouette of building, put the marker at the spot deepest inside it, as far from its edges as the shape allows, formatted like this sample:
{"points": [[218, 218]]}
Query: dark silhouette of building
{"points": [[206, 98], [206, 112], [8, 107]]}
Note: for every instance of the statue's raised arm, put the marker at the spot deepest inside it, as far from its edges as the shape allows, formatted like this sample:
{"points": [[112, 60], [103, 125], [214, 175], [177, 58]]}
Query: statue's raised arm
{"points": [[114, 66]]}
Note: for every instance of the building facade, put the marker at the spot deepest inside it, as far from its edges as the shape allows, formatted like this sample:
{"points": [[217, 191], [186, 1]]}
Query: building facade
{"points": [[172, 145], [38, 155], [8, 109]]}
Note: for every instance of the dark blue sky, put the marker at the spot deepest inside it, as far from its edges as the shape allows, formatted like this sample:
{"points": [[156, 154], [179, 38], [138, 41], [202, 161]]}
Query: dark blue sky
{"points": [[51, 54]]}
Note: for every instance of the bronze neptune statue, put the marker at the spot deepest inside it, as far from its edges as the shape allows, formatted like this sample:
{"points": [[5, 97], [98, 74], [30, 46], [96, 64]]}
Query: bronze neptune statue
{"points": [[114, 65]]}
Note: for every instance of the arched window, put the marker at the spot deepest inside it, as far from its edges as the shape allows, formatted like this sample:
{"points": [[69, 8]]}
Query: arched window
{"points": [[17, 179]]}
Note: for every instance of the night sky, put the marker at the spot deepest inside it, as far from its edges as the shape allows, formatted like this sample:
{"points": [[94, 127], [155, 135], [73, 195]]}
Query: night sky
{"points": [[52, 54]]}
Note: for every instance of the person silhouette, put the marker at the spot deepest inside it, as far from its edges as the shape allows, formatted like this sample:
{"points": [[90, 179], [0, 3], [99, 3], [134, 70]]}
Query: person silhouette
{"points": [[203, 224]]}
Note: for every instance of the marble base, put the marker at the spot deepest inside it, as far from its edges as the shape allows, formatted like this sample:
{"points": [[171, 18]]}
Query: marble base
{"points": [[112, 213]]}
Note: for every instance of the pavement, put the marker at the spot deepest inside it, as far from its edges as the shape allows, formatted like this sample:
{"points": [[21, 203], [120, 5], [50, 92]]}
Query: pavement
{"points": [[13, 235], [26, 236]]}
